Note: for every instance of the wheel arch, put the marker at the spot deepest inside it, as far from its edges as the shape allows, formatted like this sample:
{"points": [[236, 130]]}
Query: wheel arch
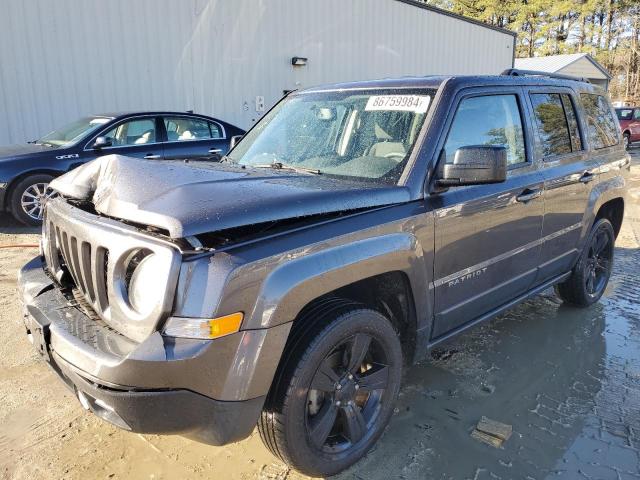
{"points": [[390, 294], [612, 210], [384, 273]]}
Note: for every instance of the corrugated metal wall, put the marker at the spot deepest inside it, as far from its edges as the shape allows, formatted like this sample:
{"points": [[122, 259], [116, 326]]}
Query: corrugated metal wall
{"points": [[64, 59]]}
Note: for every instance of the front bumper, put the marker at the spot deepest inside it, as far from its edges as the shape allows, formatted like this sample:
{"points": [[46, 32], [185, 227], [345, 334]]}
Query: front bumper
{"points": [[208, 390]]}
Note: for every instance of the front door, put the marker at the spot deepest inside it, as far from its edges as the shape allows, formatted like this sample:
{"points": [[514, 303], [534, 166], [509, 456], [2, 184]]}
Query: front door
{"points": [[487, 237], [134, 137], [634, 126]]}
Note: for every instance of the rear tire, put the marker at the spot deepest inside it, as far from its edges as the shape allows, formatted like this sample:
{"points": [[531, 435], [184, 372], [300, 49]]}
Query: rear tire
{"points": [[626, 138], [335, 390], [27, 197], [591, 274]]}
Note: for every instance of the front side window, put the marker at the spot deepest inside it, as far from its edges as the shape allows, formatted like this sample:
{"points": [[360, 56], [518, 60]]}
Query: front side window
{"points": [[636, 114], [184, 128], [488, 120], [73, 132], [552, 124], [133, 132], [363, 135], [624, 113], [602, 126]]}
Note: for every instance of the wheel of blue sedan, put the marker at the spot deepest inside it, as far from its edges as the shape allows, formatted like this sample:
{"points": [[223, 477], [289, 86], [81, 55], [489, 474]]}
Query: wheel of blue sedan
{"points": [[340, 391], [28, 197]]}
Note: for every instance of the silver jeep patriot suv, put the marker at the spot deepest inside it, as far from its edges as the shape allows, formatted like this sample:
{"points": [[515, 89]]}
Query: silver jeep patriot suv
{"points": [[352, 229]]}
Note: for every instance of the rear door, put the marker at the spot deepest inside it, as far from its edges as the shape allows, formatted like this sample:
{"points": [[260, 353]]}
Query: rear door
{"points": [[133, 137], [486, 236], [193, 138], [568, 172], [634, 126]]}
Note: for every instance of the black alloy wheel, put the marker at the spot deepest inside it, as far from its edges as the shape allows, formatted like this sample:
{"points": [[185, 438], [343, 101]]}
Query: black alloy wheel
{"points": [[345, 395], [335, 391], [590, 276], [597, 265]]}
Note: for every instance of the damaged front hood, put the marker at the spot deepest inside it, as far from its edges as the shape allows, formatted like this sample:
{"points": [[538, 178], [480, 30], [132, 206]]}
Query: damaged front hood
{"points": [[200, 197]]}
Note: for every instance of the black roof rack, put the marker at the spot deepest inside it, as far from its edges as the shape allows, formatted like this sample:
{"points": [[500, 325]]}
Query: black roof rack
{"points": [[516, 72]]}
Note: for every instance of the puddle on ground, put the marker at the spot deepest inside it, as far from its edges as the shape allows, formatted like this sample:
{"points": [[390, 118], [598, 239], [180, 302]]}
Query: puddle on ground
{"points": [[566, 379]]}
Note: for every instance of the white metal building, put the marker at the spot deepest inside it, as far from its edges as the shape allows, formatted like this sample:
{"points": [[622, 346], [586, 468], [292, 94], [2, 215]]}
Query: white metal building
{"points": [[575, 64], [227, 58]]}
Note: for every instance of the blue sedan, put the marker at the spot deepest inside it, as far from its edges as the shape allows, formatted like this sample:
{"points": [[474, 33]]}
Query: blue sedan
{"points": [[25, 170]]}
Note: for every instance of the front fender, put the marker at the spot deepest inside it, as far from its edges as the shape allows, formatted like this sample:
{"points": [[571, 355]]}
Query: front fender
{"points": [[294, 283]]}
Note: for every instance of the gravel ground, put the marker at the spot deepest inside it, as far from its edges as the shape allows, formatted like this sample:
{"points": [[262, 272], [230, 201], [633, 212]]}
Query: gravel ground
{"points": [[567, 380]]}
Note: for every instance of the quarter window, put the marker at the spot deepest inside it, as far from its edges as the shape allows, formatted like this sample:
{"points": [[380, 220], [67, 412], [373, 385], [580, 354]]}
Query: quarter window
{"points": [[488, 120], [133, 132], [183, 128], [572, 121], [552, 124], [602, 126]]}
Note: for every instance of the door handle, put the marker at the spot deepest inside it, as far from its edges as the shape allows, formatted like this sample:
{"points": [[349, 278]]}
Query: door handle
{"points": [[213, 151], [528, 194], [587, 177], [151, 156]]}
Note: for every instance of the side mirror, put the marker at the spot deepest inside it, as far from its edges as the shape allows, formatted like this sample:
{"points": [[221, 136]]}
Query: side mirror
{"points": [[474, 165], [101, 142], [234, 141]]}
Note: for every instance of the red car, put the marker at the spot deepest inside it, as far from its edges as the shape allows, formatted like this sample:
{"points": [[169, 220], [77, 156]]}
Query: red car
{"points": [[629, 118]]}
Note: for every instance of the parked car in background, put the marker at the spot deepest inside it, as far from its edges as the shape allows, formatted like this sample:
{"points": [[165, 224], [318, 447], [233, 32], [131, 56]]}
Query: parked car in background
{"points": [[26, 170], [629, 118]]}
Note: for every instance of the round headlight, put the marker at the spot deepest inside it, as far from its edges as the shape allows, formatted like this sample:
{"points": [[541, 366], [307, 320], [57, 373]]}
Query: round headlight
{"points": [[145, 283]]}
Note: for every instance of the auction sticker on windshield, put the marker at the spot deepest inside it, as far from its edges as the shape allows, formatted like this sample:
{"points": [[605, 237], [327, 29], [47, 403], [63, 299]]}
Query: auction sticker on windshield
{"points": [[404, 103]]}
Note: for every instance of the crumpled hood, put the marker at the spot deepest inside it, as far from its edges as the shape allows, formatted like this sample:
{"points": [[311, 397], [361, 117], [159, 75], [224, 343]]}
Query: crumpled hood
{"points": [[200, 197]]}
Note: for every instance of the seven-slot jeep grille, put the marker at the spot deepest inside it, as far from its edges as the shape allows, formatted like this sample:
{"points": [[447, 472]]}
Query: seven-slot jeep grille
{"points": [[97, 253], [85, 261]]}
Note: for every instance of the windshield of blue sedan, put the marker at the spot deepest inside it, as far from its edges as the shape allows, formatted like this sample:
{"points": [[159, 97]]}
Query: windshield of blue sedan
{"points": [[69, 134], [359, 135]]}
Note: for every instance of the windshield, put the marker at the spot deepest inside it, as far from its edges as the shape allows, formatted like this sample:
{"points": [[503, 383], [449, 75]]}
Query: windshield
{"points": [[73, 132], [624, 113], [360, 135]]}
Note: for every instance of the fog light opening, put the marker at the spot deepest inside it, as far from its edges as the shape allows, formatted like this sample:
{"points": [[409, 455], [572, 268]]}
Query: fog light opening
{"points": [[84, 401]]}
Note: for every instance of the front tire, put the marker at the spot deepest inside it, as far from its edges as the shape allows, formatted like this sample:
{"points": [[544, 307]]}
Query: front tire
{"points": [[27, 199], [591, 274], [336, 391]]}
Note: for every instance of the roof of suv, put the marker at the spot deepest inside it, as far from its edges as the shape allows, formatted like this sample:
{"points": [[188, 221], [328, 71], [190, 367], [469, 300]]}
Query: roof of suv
{"points": [[459, 81]]}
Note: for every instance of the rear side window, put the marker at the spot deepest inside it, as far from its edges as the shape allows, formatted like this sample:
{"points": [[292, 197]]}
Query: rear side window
{"points": [[602, 126], [552, 124], [488, 120], [185, 128], [624, 113]]}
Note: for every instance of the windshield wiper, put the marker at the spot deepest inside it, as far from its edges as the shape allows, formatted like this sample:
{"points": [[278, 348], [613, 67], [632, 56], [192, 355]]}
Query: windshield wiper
{"points": [[282, 166]]}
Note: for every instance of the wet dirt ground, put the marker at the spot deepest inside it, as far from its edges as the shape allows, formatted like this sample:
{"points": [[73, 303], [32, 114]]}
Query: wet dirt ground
{"points": [[567, 380]]}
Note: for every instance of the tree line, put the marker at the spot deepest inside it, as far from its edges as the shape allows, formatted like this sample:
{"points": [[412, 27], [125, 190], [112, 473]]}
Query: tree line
{"points": [[609, 30]]}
